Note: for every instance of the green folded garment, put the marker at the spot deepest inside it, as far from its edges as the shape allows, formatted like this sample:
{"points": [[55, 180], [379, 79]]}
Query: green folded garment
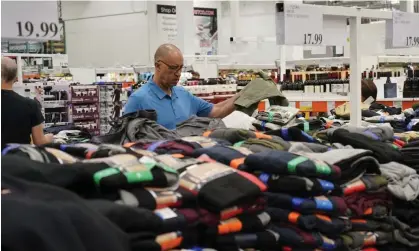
{"points": [[259, 145], [257, 90]]}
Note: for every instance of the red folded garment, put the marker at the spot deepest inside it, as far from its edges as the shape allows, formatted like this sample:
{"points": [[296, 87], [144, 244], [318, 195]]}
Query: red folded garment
{"points": [[364, 203], [213, 219]]}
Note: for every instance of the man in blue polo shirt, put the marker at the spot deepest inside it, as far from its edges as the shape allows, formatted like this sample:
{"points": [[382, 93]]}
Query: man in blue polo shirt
{"points": [[172, 103]]}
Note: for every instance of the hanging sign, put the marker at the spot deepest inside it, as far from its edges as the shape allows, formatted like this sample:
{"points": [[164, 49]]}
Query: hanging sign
{"points": [[206, 37], [305, 24], [298, 24], [166, 23], [30, 20], [402, 30]]}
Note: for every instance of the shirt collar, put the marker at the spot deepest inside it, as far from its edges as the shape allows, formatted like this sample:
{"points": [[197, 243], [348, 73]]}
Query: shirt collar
{"points": [[159, 92]]}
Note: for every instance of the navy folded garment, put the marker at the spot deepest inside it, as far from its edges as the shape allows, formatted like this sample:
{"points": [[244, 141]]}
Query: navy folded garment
{"points": [[299, 186], [329, 205], [285, 163], [295, 237], [293, 134], [223, 154], [330, 226]]}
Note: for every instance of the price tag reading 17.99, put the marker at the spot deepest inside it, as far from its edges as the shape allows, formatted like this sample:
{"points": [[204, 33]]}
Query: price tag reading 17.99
{"points": [[310, 38], [29, 29], [412, 41]]}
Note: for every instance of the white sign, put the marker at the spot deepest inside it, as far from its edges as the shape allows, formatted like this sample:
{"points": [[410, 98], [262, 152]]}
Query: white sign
{"points": [[403, 30], [30, 20], [299, 24], [335, 31], [166, 23], [60, 60]]}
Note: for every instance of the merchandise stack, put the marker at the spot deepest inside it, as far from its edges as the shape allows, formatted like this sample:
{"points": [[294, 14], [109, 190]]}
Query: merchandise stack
{"points": [[411, 85], [112, 99], [212, 90], [318, 184], [85, 107], [55, 104]]}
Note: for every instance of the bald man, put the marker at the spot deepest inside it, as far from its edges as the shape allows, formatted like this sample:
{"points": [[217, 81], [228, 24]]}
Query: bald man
{"points": [[21, 117], [172, 103]]}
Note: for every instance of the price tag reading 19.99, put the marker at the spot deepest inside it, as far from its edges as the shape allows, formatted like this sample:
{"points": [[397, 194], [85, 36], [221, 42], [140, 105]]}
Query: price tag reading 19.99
{"points": [[412, 41], [311, 38], [43, 29]]}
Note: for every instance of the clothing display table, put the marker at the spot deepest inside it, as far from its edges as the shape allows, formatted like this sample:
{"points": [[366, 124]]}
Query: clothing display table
{"points": [[293, 184]]}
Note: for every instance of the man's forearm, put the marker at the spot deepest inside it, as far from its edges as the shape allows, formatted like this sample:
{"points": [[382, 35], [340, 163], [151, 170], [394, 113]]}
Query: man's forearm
{"points": [[224, 108]]}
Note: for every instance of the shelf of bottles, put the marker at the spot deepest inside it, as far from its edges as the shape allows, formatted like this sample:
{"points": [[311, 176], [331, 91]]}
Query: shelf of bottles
{"points": [[323, 91]]}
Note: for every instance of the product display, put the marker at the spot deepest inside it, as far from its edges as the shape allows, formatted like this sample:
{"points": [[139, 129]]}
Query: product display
{"points": [[284, 158], [112, 97], [85, 107], [308, 185]]}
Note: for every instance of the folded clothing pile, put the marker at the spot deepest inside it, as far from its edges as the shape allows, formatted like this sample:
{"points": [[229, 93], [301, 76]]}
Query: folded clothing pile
{"points": [[230, 189], [383, 152], [218, 202], [315, 198], [279, 115], [304, 201], [410, 154]]}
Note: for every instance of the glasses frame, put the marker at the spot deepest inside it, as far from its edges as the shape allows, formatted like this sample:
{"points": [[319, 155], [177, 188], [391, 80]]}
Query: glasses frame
{"points": [[174, 68]]}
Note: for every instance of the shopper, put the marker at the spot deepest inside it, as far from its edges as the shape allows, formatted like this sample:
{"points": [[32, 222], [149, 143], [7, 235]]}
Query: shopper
{"points": [[172, 103], [20, 116]]}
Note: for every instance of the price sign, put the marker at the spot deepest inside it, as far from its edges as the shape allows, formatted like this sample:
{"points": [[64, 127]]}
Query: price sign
{"points": [[403, 30], [30, 20], [299, 24]]}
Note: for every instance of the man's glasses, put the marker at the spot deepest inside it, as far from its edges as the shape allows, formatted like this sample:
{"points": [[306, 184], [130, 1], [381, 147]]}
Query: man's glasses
{"points": [[172, 67]]}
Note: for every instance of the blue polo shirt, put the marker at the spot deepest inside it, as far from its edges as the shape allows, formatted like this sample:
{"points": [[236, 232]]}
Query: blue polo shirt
{"points": [[171, 110]]}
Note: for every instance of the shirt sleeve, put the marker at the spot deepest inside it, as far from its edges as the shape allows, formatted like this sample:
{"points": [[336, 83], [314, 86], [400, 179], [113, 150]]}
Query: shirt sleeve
{"points": [[36, 114], [132, 105], [202, 107]]}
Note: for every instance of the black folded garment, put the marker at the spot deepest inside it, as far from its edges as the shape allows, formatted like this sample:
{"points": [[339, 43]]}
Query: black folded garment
{"points": [[293, 134], [233, 135], [353, 163], [371, 225], [131, 220], [329, 205], [90, 151], [299, 186], [76, 177], [286, 163], [266, 240], [383, 152], [411, 156], [53, 219], [407, 211], [389, 109], [39, 154], [330, 226], [311, 125], [227, 155], [290, 235]]}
